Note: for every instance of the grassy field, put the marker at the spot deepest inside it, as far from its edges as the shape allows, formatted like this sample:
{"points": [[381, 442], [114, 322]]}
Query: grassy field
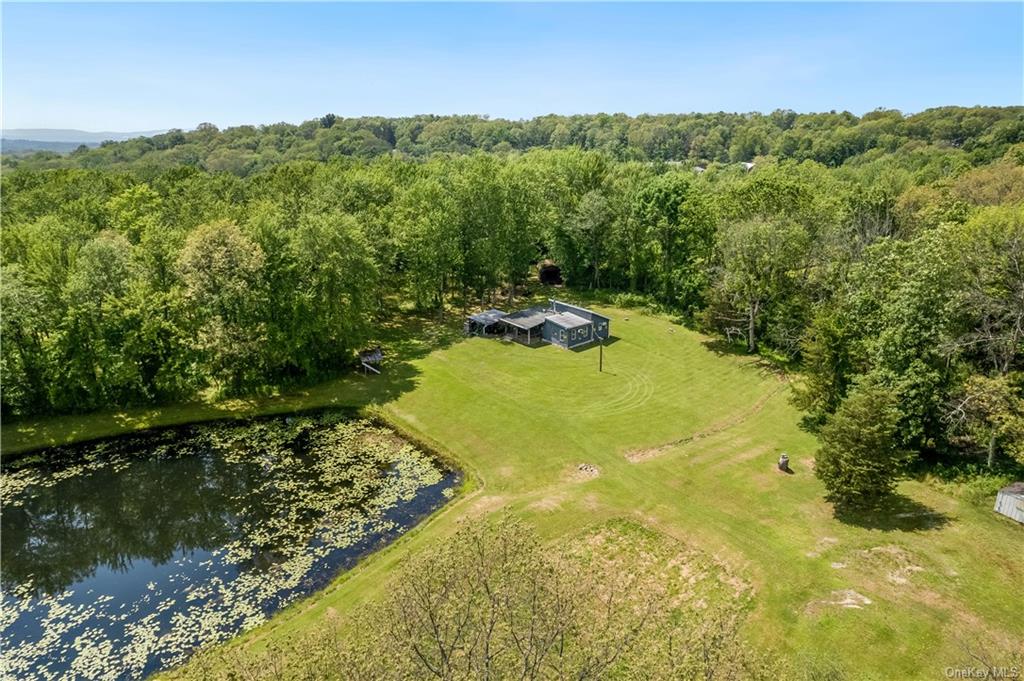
{"points": [[685, 438]]}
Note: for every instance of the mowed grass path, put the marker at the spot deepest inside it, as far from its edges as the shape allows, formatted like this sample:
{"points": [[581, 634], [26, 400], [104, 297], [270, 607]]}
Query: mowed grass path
{"points": [[686, 440]]}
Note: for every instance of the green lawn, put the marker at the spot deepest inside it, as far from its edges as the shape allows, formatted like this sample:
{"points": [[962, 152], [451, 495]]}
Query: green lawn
{"points": [[686, 440]]}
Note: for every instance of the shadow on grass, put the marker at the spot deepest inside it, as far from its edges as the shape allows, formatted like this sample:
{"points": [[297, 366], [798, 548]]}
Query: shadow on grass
{"points": [[532, 345], [721, 346], [893, 513], [611, 340], [725, 348]]}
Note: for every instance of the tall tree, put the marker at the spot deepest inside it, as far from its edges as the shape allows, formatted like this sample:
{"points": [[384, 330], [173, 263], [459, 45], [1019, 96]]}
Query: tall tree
{"points": [[333, 295], [590, 228], [990, 254], [761, 263], [680, 222], [23, 329], [524, 217], [990, 412], [92, 368], [428, 239], [221, 270]]}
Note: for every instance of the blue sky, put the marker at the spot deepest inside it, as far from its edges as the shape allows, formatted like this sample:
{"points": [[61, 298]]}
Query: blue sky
{"points": [[148, 66]]}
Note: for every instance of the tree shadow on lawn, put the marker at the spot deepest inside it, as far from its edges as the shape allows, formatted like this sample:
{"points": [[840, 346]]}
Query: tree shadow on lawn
{"points": [[403, 338], [724, 348], [893, 513], [721, 346]]}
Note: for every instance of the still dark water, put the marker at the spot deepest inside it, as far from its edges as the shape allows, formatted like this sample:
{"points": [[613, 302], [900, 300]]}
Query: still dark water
{"points": [[121, 557]]}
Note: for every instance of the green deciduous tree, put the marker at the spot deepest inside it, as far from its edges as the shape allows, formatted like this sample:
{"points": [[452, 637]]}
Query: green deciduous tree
{"points": [[221, 270], [91, 367], [427, 239], [989, 250], [762, 263], [523, 218], [23, 328], [589, 230], [333, 292], [679, 221], [990, 412]]}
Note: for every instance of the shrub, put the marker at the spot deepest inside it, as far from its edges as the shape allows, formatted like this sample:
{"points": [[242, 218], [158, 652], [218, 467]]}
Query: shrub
{"points": [[637, 301]]}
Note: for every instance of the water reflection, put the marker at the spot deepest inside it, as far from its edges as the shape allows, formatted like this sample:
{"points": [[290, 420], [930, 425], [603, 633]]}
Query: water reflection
{"points": [[155, 544]]}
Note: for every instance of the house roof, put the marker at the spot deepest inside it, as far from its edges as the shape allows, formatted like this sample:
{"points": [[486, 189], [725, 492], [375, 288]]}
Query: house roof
{"points": [[568, 320], [488, 317], [556, 303], [1014, 488], [527, 319]]}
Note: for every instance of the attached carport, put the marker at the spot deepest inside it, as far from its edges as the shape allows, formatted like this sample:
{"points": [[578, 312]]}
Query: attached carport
{"points": [[486, 323], [526, 326]]}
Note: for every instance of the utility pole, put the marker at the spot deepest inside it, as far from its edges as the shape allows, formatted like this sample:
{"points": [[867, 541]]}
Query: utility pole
{"points": [[600, 356]]}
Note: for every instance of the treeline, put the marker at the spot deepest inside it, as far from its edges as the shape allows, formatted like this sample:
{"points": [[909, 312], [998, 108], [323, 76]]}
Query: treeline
{"points": [[978, 135], [899, 282]]}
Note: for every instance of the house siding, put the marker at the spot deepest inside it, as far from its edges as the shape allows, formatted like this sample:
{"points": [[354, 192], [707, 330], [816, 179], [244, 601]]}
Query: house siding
{"points": [[580, 336], [549, 332], [602, 325], [553, 334]]}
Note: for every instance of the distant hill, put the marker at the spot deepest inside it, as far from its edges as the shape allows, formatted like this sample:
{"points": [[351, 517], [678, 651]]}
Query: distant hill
{"points": [[20, 146], [72, 136]]}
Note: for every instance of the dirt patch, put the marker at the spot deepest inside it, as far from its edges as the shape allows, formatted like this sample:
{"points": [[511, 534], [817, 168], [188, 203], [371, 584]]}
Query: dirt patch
{"points": [[841, 598], [638, 455], [739, 585], [902, 575], [548, 503], [690, 578], [897, 563], [486, 504], [748, 454], [823, 545]]}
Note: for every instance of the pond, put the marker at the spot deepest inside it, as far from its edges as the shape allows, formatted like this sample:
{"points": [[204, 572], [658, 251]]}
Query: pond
{"points": [[121, 557]]}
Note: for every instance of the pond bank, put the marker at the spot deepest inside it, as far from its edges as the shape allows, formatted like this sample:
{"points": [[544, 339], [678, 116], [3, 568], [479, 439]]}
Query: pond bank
{"points": [[127, 553]]}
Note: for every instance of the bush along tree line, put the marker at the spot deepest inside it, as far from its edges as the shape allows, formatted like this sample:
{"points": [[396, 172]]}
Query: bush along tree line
{"points": [[894, 282]]}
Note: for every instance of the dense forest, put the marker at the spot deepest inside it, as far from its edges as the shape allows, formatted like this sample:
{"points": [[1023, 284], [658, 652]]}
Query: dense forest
{"points": [[881, 258], [828, 138]]}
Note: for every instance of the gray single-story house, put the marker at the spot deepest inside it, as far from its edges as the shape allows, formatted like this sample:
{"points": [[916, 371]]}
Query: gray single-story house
{"points": [[561, 324], [1010, 501], [571, 326]]}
